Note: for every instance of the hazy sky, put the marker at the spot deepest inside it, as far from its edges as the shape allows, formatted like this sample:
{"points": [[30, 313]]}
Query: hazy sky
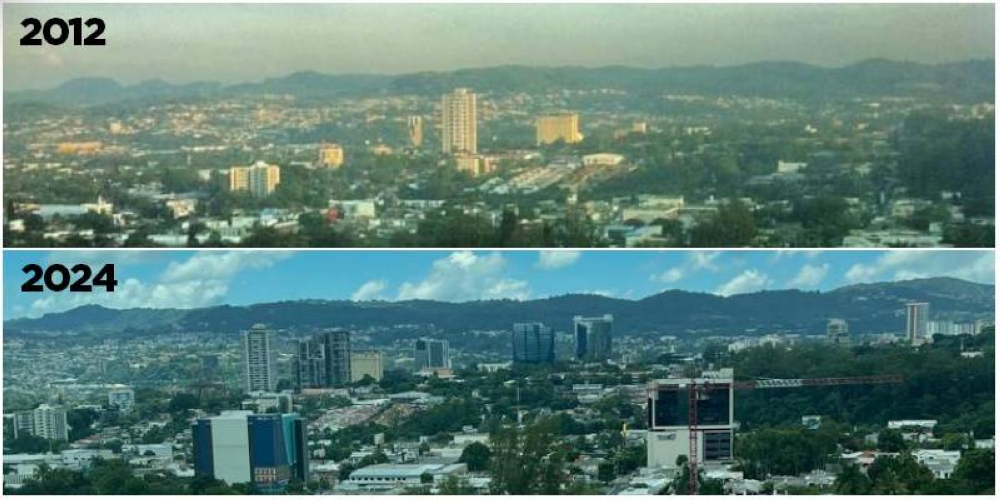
{"points": [[187, 279], [250, 42]]}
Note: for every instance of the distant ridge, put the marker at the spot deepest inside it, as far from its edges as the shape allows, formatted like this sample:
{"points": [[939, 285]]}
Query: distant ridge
{"points": [[966, 81], [869, 308]]}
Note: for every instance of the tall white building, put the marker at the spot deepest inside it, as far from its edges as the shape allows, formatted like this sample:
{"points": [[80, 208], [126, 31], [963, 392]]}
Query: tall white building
{"points": [[917, 317], [259, 360], [48, 422], [458, 122]]}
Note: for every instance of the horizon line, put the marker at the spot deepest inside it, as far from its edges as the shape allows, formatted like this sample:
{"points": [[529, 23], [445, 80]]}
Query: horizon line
{"points": [[222, 84], [506, 299]]}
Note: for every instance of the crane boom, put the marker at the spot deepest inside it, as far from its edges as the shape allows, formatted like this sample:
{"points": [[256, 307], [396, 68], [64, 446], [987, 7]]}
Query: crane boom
{"points": [[812, 382]]}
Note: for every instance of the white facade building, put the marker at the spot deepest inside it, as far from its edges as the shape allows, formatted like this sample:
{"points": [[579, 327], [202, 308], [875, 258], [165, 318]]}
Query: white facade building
{"points": [[121, 397], [941, 462], [387, 476], [231, 447], [48, 422]]}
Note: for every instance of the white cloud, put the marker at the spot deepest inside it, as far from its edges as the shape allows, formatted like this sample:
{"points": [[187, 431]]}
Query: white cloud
{"points": [[977, 266], [201, 280], [695, 261], [750, 280], [463, 276], [557, 259], [810, 276], [221, 265], [371, 290], [704, 260], [672, 275], [785, 252]]}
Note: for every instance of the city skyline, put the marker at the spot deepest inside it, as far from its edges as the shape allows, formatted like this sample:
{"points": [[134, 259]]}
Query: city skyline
{"points": [[377, 40], [498, 249], [193, 279]]}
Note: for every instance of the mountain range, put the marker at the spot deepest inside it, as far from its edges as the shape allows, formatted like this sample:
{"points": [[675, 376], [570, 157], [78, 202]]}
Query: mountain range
{"points": [[869, 308], [966, 81]]}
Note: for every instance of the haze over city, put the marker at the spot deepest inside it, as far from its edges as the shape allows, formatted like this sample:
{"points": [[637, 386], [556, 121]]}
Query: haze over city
{"points": [[554, 126], [213, 42]]}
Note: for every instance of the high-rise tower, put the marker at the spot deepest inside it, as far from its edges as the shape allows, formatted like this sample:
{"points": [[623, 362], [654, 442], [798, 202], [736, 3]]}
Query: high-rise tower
{"points": [[337, 356], [458, 122], [533, 343], [260, 370], [593, 337], [917, 317]]}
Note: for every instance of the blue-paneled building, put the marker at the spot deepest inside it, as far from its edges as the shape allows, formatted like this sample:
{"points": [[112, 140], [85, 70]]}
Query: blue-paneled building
{"points": [[267, 450]]}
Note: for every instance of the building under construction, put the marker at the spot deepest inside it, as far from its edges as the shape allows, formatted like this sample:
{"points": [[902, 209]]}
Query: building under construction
{"points": [[693, 417], [669, 410]]}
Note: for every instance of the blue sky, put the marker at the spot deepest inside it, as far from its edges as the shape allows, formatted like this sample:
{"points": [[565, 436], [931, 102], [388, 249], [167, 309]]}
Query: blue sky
{"points": [[187, 279]]}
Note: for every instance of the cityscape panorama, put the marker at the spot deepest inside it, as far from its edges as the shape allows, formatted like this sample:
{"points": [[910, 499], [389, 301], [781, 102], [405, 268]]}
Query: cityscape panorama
{"points": [[498, 249]]}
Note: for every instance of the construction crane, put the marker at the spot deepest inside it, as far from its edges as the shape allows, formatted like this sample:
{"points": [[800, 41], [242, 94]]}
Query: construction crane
{"points": [[696, 388]]}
